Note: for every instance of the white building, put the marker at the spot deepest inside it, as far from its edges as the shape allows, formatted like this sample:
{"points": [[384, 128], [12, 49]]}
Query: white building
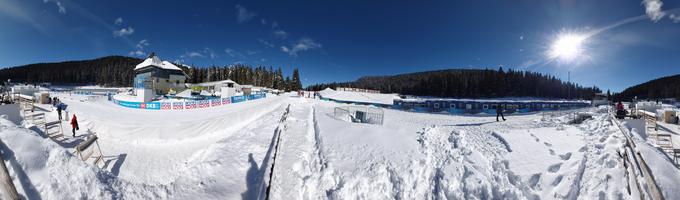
{"points": [[157, 77]]}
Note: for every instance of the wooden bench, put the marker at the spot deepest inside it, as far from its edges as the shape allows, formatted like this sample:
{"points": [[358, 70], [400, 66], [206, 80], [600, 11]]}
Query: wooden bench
{"points": [[54, 124], [86, 149], [665, 141], [676, 157]]}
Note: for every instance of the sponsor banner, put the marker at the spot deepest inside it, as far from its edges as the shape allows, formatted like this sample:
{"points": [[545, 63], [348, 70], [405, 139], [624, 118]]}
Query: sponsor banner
{"points": [[190, 105], [177, 105], [166, 105], [203, 103], [215, 102], [237, 99]]}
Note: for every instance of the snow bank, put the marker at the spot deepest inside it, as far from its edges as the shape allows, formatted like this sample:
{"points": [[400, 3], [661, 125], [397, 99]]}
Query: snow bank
{"points": [[41, 168]]}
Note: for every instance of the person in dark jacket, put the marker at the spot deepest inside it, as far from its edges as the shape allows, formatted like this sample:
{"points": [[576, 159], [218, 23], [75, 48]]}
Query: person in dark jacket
{"points": [[499, 112], [59, 112], [74, 124]]}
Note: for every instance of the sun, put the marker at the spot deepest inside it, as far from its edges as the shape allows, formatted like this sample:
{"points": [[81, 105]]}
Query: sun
{"points": [[567, 47]]}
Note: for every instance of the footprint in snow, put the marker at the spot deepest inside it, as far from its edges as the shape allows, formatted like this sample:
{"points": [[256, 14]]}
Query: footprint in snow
{"points": [[583, 149], [558, 180], [565, 156], [547, 144], [552, 152], [555, 167]]}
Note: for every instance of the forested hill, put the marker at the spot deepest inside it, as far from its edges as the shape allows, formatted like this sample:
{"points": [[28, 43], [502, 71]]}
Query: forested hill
{"points": [[117, 71], [666, 87], [471, 83], [109, 71]]}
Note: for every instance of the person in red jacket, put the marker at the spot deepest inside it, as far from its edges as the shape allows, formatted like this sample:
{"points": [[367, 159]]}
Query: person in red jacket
{"points": [[619, 106], [74, 124]]}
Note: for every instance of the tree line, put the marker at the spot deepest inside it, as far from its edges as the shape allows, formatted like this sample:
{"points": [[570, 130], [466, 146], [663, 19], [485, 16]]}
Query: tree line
{"points": [[471, 83], [118, 71], [665, 87]]}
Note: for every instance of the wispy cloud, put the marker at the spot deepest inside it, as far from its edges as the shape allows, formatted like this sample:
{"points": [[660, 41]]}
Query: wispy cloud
{"points": [[233, 53], [192, 54], [22, 15], [304, 44], [281, 34], [123, 32], [137, 53], [653, 9], [243, 15], [263, 21], [275, 24], [250, 53], [118, 21], [142, 43], [265, 43], [675, 18], [211, 54], [60, 6]]}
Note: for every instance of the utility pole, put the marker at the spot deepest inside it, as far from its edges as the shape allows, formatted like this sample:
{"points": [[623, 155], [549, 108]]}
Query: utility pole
{"points": [[569, 85]]}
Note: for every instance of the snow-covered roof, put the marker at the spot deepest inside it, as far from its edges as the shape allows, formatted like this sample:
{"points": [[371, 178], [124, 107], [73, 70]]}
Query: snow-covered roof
{"points": [[157, 62]]}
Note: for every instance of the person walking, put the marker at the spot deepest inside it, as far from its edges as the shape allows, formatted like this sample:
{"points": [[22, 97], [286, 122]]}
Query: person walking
{"points": [[59, 111], [499, 112], [74, 124]]}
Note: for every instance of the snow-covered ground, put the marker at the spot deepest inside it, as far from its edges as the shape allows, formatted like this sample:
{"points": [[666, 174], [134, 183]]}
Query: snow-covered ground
{"points": [[222, 153]]}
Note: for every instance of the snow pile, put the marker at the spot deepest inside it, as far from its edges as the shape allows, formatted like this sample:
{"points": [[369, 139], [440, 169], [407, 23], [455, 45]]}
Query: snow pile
{"points": [[41, 168]]}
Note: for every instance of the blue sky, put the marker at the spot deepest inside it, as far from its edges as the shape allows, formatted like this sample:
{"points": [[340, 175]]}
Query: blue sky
{"points": [[635, 41]]}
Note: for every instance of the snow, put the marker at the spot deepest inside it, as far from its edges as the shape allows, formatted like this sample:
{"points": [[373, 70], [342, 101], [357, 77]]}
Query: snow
{"points": [[225, 152], [155, 61]]}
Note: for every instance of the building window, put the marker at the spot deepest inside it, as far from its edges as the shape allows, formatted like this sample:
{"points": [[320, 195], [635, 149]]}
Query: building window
{"points": [[468, 106], [167, 81], [436, 105], [177, 82], [485, 106], [453, 105]]}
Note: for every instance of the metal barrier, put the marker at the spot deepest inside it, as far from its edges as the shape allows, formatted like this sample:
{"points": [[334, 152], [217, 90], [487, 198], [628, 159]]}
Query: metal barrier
{"points": [[359, 114]]}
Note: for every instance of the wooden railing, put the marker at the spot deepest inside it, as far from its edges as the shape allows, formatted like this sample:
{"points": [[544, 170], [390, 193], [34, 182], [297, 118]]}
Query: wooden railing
{"points": [[641, 168], [6, 184]]}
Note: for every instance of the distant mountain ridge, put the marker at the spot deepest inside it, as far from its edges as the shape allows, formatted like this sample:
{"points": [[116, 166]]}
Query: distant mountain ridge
{"points": [[470, 83], [664, 87]]}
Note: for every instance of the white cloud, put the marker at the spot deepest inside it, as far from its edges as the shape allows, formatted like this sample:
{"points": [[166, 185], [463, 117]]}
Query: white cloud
{"points": [[138, 53], [123, 32], [142, 43], [233, 53], [653, 9], [194, 54], [265, 43], [304, 44], [675, 18], [118, 21], [61, 7], [521, 37], [263, 21], [280, 34], [243, 15], [274, 24]]}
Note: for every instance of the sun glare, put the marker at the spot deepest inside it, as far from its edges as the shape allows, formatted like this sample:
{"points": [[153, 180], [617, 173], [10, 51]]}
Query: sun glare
{"points": [[567, 47]]}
